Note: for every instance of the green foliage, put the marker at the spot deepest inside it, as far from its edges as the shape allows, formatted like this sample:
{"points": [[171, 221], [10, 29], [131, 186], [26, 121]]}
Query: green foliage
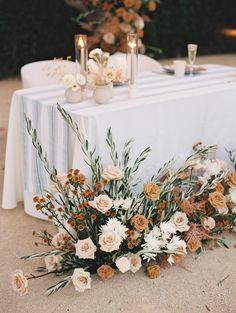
{"points": [[32, 30]]}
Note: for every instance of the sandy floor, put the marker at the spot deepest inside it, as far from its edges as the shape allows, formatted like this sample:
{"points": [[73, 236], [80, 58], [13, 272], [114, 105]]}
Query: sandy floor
{"points": [[193, 287]]}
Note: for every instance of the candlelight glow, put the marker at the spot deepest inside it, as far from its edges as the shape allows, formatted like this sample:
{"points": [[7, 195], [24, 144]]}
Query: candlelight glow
{"points": [[230, 32], [81, 42], [131, 44]]}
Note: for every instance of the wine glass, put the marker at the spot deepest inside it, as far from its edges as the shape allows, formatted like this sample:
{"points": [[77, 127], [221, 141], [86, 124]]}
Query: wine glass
{"points": [[192, 52]]}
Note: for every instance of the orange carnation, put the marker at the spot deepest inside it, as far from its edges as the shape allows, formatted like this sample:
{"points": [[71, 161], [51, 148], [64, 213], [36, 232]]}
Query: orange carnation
{"points": [[153, 271], [152, 5]]}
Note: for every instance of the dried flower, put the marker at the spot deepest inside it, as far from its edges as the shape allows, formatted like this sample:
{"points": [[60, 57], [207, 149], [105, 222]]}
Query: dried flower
{"points": [[140, 222], [153, 271], [105, 272]]}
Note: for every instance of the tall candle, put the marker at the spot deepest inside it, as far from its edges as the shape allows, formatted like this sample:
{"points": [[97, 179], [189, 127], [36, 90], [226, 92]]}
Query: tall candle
{"points": [[132, 46], [81, 53]]}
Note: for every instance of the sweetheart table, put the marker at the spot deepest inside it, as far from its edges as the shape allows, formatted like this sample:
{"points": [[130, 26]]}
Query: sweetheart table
{"points": [[168, 115]]}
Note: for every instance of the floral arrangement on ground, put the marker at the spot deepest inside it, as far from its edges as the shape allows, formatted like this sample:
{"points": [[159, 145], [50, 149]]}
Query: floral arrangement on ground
{"points": [[103, 225], [108, 22]]}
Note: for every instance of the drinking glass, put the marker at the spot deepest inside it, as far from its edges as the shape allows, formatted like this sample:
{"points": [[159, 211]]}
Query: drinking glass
{"points": [[192, 52]]}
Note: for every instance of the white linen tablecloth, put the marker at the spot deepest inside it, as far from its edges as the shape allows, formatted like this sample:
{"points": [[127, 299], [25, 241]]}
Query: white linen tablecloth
{"points": [[169, 115]]}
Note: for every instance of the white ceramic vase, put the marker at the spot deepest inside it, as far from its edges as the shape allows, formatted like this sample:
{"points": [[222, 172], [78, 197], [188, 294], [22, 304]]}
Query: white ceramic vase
{"points": [[73, 96], [103, 94]]}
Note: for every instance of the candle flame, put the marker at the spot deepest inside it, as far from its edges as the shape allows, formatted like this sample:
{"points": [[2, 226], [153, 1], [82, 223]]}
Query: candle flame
{"points": [[132, 44], [81, 42]]}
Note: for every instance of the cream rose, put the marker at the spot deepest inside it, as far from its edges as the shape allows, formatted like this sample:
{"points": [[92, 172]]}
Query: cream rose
{"points": [[53, 262], [102, 203], [223, 211], [109, 38], [113, 173], [135, 263], [19, 282], [123, 264], [109, 241], [180, 221], [85, 249], [209, 223], [81, 279]]}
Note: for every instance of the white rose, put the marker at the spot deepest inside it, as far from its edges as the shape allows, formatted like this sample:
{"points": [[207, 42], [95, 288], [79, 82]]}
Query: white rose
{"points": [[81, 279], [102, 203], [52, 262], [139, 23], [109, 38], [123, 264], [209, 223], [135, 263], [234, 210], [19, 282], [113, 173], [109, 241], [95, 52], [92, 67], [223, 211], [81, 80], [232, 195], [69, 80], [85, 249], [180, 221]]}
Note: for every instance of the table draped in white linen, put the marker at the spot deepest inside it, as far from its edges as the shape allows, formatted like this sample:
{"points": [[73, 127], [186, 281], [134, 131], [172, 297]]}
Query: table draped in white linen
{"points": [[169, 115]]}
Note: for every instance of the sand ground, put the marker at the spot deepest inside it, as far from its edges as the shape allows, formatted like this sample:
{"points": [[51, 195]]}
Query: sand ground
{"points": [[191, 288]]}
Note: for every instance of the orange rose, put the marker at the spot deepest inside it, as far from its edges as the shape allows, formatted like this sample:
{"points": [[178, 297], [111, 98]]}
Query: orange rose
{"points": [[153, 271], [231, 179], [140, 222], [217, 200], [140, 32], [152, 191], [193, 245], [220, 188], [127, 17], [152, 5], [178, 258], [129, 3], [105, 272], [185, 206]]}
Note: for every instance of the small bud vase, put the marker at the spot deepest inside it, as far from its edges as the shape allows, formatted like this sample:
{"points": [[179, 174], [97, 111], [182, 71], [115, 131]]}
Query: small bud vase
{"points": [[103, 94], [73, 96]]}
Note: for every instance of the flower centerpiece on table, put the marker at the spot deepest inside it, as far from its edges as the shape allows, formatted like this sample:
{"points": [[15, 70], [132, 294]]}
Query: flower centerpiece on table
{"points": [[104, 225], [101, 77], [75, 87]]}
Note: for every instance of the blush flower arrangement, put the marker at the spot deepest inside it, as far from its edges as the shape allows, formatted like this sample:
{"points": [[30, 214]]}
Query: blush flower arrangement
{"points": [[108, 22], [103, 226]]}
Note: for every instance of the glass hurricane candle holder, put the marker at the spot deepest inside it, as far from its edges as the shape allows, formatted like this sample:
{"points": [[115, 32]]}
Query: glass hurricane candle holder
{"points": [[132, 59], [81, 53]]}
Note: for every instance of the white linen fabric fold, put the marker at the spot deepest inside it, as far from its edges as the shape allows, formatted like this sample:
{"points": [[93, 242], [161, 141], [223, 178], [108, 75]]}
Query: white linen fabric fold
{"points": [[169, 114]]}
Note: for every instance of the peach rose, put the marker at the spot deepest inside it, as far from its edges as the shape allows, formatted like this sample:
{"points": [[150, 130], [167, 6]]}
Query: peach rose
{"points": [[180, 221], [105, 272], [140, 222], [220, 188], [153, 271], [135, 263], [113, 173], [185, 206], [19, 282], [85, 249], [193, 245], [109, 241], [217, 200], [81, 279], [151, 191], [102, 203], [231, 179], [223, 211], [53, 262]]}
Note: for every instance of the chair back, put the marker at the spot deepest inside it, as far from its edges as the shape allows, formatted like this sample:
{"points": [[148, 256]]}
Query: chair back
{"points": [[46, 72]]}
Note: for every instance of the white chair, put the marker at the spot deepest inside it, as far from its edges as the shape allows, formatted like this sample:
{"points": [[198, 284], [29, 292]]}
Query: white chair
{"points": [[145, 63], [47, 72]]}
